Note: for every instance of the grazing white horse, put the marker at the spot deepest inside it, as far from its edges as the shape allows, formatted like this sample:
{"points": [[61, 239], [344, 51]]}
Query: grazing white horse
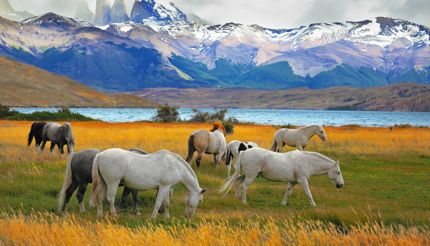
{"points": [[233, 150], [292, 167], [161, 170], [209, 142], [298, 138]]}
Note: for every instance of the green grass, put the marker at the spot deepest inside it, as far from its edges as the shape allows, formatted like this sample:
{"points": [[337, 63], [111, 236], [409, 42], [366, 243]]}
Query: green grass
{"points": [[376, 189]]}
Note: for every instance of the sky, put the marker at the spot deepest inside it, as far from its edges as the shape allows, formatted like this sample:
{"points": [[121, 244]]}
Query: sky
{"points": [[267, 13]]}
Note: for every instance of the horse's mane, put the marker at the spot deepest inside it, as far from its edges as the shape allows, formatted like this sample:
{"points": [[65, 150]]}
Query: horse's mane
{"points": [[187, 166], [320, 156], [218, 126]]}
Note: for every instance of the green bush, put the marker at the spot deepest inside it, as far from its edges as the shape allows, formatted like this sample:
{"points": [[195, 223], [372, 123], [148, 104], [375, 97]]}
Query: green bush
{"points": [[5, 112], [219, 115], [166, 113], [63, 114]]}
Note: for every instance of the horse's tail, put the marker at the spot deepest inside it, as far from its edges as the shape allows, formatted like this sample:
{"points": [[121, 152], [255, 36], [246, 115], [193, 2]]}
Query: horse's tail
{"points": [[227, 186], [99, 185], [31, 133], [274, 145], [228, 156], [191, 148], [66, 184]]}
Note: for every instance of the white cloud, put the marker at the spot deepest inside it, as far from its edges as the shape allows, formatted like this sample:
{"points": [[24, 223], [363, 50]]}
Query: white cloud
{"points": [[269, 13]]}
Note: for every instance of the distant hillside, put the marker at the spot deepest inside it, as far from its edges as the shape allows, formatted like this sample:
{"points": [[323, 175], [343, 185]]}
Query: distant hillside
{"points": [[24, 85], [398, 97]]}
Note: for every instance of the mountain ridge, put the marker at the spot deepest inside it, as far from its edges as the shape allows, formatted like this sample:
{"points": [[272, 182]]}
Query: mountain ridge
{"points": [[166, 50], [410, 97], [23, 85]]}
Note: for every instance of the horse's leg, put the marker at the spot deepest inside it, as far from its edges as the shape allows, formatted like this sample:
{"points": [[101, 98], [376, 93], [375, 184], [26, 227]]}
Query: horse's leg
{"points": [[165, 205], [279, 146], [52, 146], [112, 187], [80, 196], [299, 147], [135, 208], [238, 183], [305, 184], [163, 191], [288, 192], [69, 149], [125, 193], [228, 170], [215, 163], [61, 148], [69, 193], [199, 158], [245, 186]]}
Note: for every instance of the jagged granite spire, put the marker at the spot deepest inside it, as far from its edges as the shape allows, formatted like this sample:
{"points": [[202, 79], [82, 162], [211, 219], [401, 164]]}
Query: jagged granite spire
{"points": [[103, 12], [7, 11], [5, 6], [83, 12], [119, 12]]}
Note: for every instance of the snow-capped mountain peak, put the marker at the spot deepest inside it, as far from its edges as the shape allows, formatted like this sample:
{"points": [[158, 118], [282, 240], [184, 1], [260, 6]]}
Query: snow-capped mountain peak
{"points": [[53, 20], [151, 10]]}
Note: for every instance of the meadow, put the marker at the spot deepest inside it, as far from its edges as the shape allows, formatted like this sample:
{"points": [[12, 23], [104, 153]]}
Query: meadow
{"points": [[386, 198]]}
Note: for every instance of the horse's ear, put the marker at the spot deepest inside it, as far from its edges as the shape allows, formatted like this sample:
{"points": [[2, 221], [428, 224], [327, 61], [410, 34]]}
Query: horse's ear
{"points": [[202, 191]]}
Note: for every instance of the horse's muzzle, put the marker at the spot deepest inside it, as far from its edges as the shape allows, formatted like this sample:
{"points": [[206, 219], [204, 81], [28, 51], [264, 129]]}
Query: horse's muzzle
{"points": [[324, 139], [339, 186]]}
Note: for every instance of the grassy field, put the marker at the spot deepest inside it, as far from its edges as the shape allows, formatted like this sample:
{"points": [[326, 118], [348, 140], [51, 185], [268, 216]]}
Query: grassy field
{"points": [[386, 198]]}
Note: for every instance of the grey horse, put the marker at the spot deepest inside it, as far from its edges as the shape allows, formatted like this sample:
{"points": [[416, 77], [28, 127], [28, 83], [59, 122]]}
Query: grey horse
{"points": [[59, 135], [78, 174]]}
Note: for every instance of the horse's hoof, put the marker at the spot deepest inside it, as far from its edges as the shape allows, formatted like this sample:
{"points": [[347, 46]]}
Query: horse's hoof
{"points": [[137, 213]]}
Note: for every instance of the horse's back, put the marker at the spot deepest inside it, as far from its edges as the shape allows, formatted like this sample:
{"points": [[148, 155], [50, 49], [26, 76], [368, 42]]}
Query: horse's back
{"points": [[271, 165], [82, 164]]}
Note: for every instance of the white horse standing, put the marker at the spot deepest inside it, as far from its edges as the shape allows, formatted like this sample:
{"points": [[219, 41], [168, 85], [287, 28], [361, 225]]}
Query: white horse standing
{"points": [[209, 142], [298, 138], [292, 167], [233, 150], [161, 170]]}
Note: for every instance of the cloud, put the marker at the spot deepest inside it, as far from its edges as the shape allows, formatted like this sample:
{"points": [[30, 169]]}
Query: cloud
{"points": [[269, 13]]}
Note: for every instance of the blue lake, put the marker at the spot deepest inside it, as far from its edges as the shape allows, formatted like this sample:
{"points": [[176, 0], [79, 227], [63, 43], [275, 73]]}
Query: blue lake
{"points": [[265, 116]]}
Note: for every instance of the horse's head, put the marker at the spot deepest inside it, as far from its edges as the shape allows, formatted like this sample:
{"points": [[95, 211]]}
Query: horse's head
{"points": [[321, 133], [194, 198], [336, 175], [218, 126]]}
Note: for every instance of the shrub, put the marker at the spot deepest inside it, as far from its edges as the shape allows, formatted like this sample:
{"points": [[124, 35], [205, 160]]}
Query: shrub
{"points": [[166, 113], [62, 114], [219, 115], [5, 111], [229, 126]]}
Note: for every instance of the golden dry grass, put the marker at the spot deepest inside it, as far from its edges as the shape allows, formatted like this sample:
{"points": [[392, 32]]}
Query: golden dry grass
{"points": [[349, 140], [398, 192], [51, 230]]}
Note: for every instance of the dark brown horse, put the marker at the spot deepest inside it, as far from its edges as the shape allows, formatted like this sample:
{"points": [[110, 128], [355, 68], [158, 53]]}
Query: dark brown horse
{"points": [[36, 132]]}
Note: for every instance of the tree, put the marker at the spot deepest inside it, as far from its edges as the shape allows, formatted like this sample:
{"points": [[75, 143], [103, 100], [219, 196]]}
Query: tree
{"points": [[166, 113]]}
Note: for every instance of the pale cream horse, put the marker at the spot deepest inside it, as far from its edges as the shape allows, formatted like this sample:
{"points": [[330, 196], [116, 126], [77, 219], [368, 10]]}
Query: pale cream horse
{"points": [[298, 138], [209, 142], [292, 167]]}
